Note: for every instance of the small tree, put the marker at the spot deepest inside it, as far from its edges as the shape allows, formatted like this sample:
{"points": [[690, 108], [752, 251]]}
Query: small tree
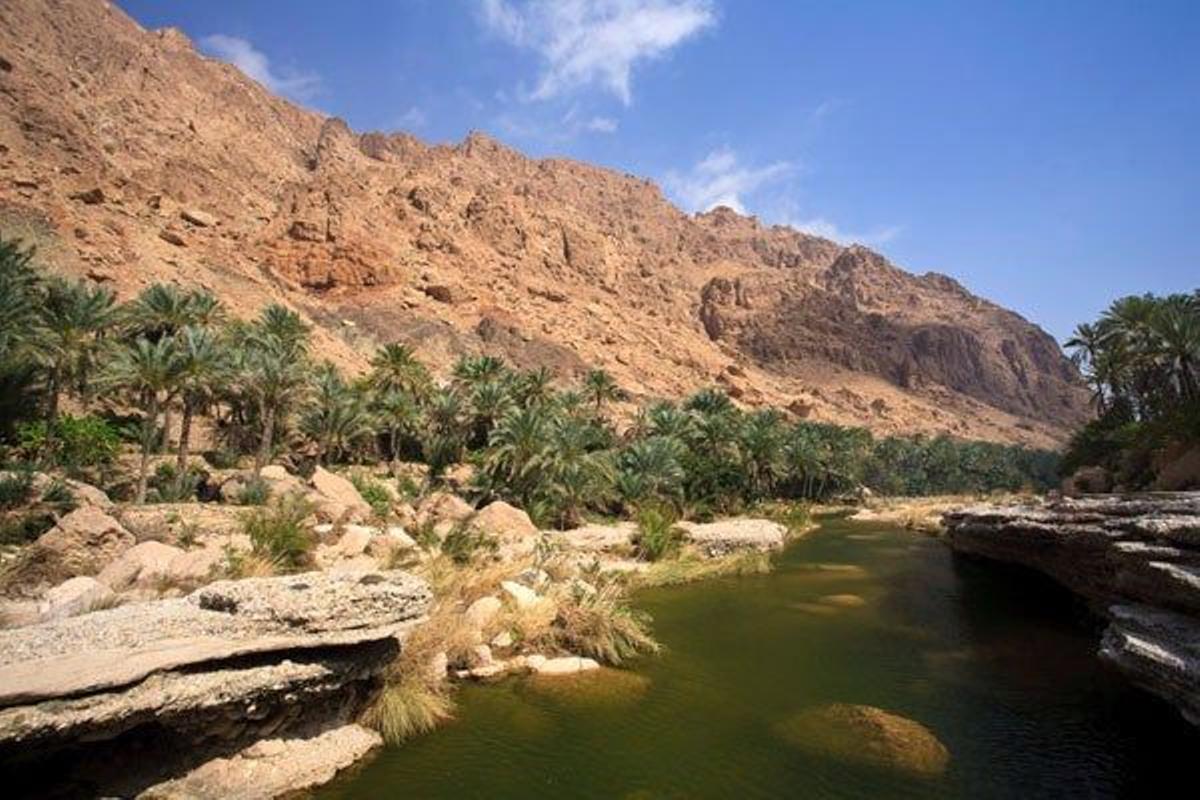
{"points": [[149, 372]]}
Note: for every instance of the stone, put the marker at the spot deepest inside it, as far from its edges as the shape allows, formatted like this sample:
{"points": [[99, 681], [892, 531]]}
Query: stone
{"points": [[90, 197], [521, 595], [397, 537], [82, 543], [509, 526], [599, 538], [355, 539], [481, 612], [74, 596], [869, 736], [564, 665], [440, 507], [438, 666], [271, 768], [1088, 480], [141, 564], [197, 565], [197, 217], [481, 655], [734, 535], [502, 640], [354, 564], [842, 601], [172, 237], [336, 499]]}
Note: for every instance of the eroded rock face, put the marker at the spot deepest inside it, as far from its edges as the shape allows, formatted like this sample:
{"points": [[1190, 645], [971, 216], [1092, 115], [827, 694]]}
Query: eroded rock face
{"points": [[1136, 559], [82, 543], [211, 673]]}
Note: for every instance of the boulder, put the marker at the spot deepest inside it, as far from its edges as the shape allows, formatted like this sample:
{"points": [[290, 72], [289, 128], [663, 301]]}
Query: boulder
{"points": [[443, 507], [82, 543], [459, 476], [733, 535], [521, 595], [564, 665], [197, 217], [335, 498], [509, 526], [600, 538], [197, 565], [1180, 471], [1088, 480], [143, 564], [868, 736], [74, 596]]}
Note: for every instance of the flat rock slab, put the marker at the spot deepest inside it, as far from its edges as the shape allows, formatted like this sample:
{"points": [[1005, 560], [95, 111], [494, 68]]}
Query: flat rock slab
{"points": [[272, 767], [731, 535], [108, 649]]}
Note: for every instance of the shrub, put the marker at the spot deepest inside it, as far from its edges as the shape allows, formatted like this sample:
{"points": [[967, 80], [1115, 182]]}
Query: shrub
{"points": [[16, 489], [71, 442], [255, 492], [24, 528], [464, 541], [657, 535], [375, 493], [168, 486], [278, 533], [600, 624]]}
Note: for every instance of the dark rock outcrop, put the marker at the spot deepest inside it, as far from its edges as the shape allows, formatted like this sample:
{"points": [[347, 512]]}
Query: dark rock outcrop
{"points": [[1135, 559]]}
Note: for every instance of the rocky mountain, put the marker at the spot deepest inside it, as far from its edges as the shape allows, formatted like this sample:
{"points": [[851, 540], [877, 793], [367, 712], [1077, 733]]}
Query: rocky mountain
{"points": [[131, 158]]}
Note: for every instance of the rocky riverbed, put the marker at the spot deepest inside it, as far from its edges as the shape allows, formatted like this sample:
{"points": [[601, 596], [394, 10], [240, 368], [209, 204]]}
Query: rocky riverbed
{"points": [[1135, 559]]}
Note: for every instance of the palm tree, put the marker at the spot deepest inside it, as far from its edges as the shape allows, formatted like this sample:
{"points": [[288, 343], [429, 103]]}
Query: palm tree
{"points": [[600, 388], [651, 469], [149, 371], [394, 368], [446, 430], [535, 386], [21, 295], [760, 445], [337, 418], [398, 416], [1176, 331], [203, 366], [283, 327], [276, 377], [575, 475], [159, 311], [74, 318], [473, 370], [516, 450]]}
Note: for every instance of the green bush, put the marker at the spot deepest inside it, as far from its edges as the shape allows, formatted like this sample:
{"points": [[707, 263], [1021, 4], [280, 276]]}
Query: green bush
{"points": [[168, 486], [24, 528], [16, 489], [71, 442], [278, 533], [657, 535], [464, 541], [256, 492], [375, 493]]}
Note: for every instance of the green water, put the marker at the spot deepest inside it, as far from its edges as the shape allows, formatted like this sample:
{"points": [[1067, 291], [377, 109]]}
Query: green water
{"points": [[1000, 667]]}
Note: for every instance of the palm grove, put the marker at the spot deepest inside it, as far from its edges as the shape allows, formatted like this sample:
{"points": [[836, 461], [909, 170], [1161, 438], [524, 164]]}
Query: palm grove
{"points": [[168, 358], [1142, 361]]}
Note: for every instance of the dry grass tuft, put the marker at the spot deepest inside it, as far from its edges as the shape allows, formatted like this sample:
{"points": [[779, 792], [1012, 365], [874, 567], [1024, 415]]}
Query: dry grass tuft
{"points": [[691, 566]]}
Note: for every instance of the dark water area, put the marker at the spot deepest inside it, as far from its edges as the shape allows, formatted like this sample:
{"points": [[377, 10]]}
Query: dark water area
{"points": [[998, 664]]}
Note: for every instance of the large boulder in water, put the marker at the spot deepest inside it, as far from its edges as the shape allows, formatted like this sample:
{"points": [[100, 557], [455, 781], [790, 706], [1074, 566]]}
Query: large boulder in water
{"points": [[867, 735], [733, 535]]}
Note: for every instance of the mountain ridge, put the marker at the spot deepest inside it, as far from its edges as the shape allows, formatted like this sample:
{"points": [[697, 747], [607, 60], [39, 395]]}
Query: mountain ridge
{"points": [[131, 158]]}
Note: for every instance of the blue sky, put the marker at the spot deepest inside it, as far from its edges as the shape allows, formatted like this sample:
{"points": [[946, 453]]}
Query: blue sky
{"points": [[1046, 154]]}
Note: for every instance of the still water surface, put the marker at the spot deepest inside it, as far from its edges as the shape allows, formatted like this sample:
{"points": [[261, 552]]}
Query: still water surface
{"points": [[1000, 667]]}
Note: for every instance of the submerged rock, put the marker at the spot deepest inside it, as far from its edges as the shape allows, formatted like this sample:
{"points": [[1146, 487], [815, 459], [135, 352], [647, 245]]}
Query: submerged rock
{"points": [[867, 735]]}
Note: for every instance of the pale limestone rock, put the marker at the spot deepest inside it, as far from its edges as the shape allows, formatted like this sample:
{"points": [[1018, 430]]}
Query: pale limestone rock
{"points": [[564, 665], [521, 595], [74, 596], [143, 564], [481, 612], [336, 499], [82, 543], [733, 535]]}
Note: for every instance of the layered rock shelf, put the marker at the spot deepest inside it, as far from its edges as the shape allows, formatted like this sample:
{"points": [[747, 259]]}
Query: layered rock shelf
{"points": [[206, 686], [1135, 559]]}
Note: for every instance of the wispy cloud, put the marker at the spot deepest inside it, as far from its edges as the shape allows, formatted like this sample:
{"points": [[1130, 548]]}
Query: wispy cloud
{"points": [[412, 119], [584, 43], [255, 64], [819, 226], [720, 179]]}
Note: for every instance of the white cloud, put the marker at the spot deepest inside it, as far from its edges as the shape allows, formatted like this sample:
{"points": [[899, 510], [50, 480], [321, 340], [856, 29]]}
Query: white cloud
{"points": [[595, 42], [255, 64], [819, 226], [601, 125], [412, 119], [721, 180]]}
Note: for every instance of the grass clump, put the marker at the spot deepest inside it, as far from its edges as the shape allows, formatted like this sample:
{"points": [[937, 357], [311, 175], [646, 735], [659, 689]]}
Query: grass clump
{"points": [[600, 623], [465, 541], [657, 535], [278, 533], [691, 567], [16, 489], [25, 528], [255, 492]]}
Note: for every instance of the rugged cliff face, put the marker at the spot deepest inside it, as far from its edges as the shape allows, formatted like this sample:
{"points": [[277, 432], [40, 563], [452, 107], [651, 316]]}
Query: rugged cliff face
{"points": [[1136, 560], [131, 159]]}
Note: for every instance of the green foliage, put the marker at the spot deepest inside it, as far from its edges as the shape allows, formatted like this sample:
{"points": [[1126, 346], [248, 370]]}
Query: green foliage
{"points": [[464, 541], [278, 533], [20, 529], [657, 535], [171, 486], [16, 489], [254, 492], [375, 493], [1142, 362], [70, 442]]}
